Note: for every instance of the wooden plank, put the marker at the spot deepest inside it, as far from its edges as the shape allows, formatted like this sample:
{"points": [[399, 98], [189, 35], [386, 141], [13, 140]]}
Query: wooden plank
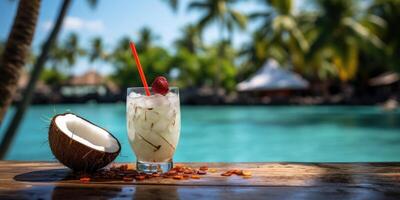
{"points": [[199, 192], [277, 180]]}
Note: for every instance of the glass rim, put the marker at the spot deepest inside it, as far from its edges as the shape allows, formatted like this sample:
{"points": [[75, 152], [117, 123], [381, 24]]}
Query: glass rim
{"points": [[171, 88], [142, 90]]}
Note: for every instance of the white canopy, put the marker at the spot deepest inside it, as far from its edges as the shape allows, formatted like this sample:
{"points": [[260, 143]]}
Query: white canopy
{"points": [[273, 77]]}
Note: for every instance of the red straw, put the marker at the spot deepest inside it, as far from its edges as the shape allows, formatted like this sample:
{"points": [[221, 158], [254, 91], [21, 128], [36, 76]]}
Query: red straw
{"points": [[139, 66]]}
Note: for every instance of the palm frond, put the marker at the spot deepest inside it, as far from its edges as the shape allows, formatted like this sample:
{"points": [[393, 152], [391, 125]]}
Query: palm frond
{"points": [[362, 32], [239, 19], [173, 4], [197, 5], [259, 15], [300, 39]]}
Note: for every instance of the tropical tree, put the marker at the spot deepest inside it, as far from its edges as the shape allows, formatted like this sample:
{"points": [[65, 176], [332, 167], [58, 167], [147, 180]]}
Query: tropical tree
{"points": [[340, 36], [186, 59], [35, 75], [16, 51], [190, 39], [146, 39], [155, 61], [63, 55], [389, 11], [52, 76], [173, 4], [281, 29], [1, 47], [226, 17], [220, 12], [215, 65], [96, 51], [257, 51]]}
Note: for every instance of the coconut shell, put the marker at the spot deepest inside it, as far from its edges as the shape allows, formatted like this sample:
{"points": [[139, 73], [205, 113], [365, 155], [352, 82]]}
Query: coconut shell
{"points": [[76, 155]]}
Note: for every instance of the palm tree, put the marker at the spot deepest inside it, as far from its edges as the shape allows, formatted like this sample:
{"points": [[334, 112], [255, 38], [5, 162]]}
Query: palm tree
{"points": [[389, 11], [96, 51], [146, 39], [28, 93], [155, 61], [63, 57], [34, 77], [227, 18], [220, 12], [72, 49], [190, 39], [16, 51], [173, 4], [341, 34], [1, 47], [280, 26], [257, 51]]}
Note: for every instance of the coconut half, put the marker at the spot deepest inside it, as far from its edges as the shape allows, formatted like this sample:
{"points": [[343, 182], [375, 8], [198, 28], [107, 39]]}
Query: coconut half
{"points": [[81, 145]]}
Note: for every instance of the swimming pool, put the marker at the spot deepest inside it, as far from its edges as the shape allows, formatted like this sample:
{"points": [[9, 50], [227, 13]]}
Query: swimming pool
{"points": [[246, 134]]}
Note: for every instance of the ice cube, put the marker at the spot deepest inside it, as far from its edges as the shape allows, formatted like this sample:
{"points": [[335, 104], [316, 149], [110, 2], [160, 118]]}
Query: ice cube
{"points": [[152, 115], [156, 101], [143, 126], [133, 95], [161, 125], [173, 99]]}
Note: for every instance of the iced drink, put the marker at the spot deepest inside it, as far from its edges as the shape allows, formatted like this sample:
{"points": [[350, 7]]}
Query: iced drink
{"points": [[153, 124]]}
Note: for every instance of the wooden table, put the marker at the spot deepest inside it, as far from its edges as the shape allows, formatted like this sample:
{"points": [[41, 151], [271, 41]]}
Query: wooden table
{"points": [[44, 180]]}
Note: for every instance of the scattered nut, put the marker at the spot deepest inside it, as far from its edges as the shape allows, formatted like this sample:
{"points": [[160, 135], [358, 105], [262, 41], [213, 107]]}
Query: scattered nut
{"points": [[171, 172], [140, 177], [201, 172], [127, 179], [178, 177], [246, 173], [204, 168], [212, 170], [84, 180], [130, 167], [195, 177], [226, 174]]}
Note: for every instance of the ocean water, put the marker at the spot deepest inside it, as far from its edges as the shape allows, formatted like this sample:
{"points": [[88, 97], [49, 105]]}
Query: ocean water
{"points": [[240, 134]]}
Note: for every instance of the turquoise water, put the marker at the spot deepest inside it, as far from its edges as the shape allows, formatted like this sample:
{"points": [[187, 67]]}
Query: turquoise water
{"points": [[256, 133]]}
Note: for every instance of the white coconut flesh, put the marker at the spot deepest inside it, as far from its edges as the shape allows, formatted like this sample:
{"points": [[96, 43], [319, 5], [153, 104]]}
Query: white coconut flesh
{"points": [[86, 133]]}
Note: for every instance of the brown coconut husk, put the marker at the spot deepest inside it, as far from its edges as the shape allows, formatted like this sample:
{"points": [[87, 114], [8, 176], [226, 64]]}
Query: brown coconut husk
{"points": [[76, 155]]}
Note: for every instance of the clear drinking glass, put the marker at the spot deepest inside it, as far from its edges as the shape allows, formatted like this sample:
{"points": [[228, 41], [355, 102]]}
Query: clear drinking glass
{"points": [[153, 124]]}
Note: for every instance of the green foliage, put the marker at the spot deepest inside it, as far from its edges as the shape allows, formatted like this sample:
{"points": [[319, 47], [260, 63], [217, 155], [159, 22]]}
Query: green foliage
{"points": [[52, 77], [146, 39], [63, 56], [96, 51], [280, 35], [388, 12], [155, 62], [221, 12], [190, 39], [342, 34]]}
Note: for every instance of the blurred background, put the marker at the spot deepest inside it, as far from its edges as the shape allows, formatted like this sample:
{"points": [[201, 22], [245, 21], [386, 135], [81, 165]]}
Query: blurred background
{"points": [[260, 80]]}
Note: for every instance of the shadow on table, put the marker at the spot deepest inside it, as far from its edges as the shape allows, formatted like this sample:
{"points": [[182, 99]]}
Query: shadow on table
{"points": [[51, 175]]}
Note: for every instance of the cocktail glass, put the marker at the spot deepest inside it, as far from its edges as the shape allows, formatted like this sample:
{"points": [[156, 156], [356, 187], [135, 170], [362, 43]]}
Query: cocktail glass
{"points": [[153, 124]]}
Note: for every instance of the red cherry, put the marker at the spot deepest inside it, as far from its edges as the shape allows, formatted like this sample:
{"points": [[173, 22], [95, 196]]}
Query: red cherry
{"points": [[160, 85]]}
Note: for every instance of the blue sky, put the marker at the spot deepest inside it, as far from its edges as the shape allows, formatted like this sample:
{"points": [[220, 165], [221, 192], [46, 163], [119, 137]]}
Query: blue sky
{"points": [[112, 19]]}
